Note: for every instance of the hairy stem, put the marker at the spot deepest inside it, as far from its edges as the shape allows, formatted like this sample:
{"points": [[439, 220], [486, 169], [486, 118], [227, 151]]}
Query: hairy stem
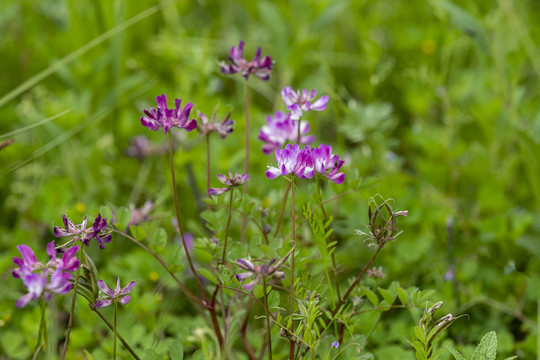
{"points": [[267, 311], [283, 205], [115, 333], [223, 260], [336, 280], [182, 286], [126, 345], [292, 346], [246, 163], [72, 311]]}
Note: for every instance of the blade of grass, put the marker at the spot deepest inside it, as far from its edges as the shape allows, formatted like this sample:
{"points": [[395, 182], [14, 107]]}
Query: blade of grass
{"points": [[44, 121]]}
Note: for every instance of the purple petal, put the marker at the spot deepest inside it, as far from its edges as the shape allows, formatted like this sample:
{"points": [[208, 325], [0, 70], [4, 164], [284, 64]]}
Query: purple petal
{"points": [[320, 104], [217, 191], [103, 303], [124, 300], [103, 287], [273, 172], [28, 255], [127, 289], [23, 301], [51, 251]]}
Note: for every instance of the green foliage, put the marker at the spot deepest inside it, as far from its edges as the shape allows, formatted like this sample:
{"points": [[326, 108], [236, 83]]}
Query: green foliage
{"points": [[486, 349]]}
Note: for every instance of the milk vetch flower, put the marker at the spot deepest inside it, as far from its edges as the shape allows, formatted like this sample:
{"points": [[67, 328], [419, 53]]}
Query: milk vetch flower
{"points": [[109, 296], [259, 66]]}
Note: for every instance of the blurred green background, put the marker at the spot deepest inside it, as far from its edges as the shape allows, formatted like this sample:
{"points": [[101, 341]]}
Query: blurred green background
{"points": [[432, 103]]}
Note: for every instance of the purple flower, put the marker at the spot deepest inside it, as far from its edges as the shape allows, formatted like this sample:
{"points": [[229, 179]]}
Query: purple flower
{"points": [[139, 215], [256, 272], [231, 182], [142, 147], [279, 129], [335, 344], [44, 279], [109, 296], [223, 128], [293, 160], [261, 67], [326, 164], [164, 117], [297, 102], [82, 233]]}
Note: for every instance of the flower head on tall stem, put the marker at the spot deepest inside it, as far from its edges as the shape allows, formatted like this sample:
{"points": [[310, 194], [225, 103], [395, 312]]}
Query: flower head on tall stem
{"points": [[207, 126], [257, 272], [327, 164], [44, 280], [229, 181], [292, 160], [81, 232], [167, 118], [297, 101], [279, 129], [110, 296], [259, 66]]}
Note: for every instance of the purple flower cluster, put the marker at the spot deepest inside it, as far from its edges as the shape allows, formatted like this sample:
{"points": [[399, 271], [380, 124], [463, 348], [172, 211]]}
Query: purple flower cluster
{"points": [[109, 295], [81, 232], [279, 129], [230, 181], [44, 279], [162, 116], [259, 66], [304, 163], [223, 128], [298, 102]]}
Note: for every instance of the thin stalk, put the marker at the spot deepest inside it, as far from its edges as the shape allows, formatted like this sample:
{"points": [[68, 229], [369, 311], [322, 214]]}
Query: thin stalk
{"points": [[206, 303], [336, 280], [42, 325], [182, 286], [115, 333], [267, 311], [207, 138], [124, 342], [72, 311], [243, 331], [223, 260], [246, 163], [283, 204], [175, 196], [292, 347]]}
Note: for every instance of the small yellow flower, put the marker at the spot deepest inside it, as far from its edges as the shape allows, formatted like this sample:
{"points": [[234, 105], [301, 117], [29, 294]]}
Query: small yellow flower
{"points": [[428, 46], [154, 276], [80, 207]]}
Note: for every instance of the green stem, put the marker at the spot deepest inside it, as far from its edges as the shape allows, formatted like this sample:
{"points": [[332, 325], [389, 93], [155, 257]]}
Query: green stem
{"points": [[42, 324], [72, 311], [267, 311], [283, 205], [336, 280], [206, 303], [124, 342], [292, 346], [223, 260], [246, 163], [115, 333], [207, 138]]}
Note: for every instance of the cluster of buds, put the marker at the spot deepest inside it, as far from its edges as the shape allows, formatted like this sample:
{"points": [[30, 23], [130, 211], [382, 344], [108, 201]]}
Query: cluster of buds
{"points": [[81, 232], [257, 272], [259, 66], [376, 273], [44, 279], [304, 163], [431, 332], [207, 126], [230, 181], [382, 222]]}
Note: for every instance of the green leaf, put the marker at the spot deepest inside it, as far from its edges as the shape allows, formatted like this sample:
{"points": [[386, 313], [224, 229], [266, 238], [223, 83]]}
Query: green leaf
{"points": [[420, 355], [418, 346], [151, 354], [373, 298], [176, 351], [208, 275], [122, 218], [224, 275], [420, 335], [457, 355], [487, 349], [402, 295], [137, 232], [273, 300], [387, 295], [159, 238], [258, 291], [106, 212]]}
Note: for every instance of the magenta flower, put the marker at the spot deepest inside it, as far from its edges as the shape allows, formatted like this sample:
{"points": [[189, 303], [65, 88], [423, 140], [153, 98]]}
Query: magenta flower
{"points": [[260, 67], [44, 279], [109, 296], [231, 182], [327, 164], [298, 103], [256, 272], [223, 128], [293, 160], [84, 234], [281, 128], [164, 117]]}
